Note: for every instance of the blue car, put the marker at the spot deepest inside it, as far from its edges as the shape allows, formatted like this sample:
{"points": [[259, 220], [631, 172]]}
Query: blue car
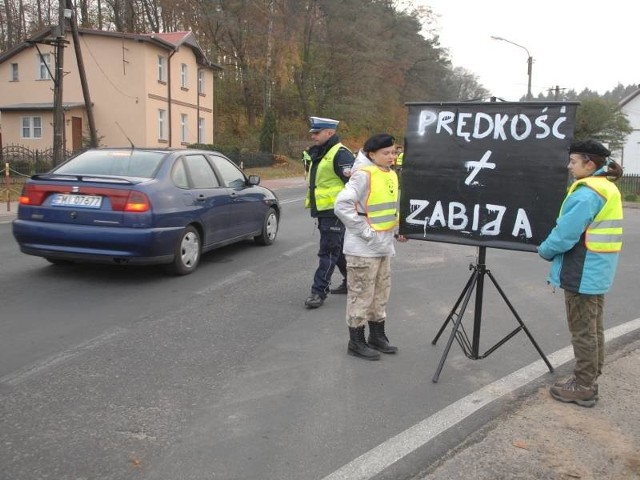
{"points": [[143, 206]]}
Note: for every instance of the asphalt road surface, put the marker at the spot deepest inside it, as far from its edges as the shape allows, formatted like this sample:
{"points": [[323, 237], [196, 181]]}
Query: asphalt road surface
{"points": [[126, 373]]}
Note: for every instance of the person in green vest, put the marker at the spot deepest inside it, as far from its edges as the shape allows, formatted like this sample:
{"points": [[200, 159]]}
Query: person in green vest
{"points": [[399, 158], [368, 206], [584, 247], [329, 170]]}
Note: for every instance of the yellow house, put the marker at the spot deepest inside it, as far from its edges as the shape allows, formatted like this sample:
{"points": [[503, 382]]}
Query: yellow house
{"points": [[152, 90]]}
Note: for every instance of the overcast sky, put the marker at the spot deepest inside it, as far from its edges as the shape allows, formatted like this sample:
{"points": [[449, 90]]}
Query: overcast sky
{"points": [[575, 44]]}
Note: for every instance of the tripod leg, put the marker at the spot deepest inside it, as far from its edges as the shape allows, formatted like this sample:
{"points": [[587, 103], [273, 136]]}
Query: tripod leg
{"points": [[522, 325], [467, 295], [470, 282]]}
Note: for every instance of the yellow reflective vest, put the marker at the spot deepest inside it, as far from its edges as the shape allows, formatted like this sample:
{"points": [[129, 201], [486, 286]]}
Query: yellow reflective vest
{"points": [[327, 184], [381, 209], [604, 234], [399, 160]]}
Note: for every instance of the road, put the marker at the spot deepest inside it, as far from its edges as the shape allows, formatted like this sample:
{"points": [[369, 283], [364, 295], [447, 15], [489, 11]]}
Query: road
{"points": [[126, 373]]}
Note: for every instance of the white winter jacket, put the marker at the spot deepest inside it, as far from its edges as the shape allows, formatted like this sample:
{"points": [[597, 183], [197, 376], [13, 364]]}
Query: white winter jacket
{"points": [[361, 161], [360, 239]]}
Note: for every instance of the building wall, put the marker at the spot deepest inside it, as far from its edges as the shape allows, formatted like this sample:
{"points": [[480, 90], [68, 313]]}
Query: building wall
{"points": [[27, 89], [630, 156], [185, 101], [124, 89]]}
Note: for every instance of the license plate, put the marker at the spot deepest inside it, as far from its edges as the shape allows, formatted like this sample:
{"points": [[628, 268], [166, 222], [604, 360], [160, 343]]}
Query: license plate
{"points": [[82, 201]]}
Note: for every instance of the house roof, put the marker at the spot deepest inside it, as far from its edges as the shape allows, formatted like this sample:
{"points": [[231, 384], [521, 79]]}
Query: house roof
{"points": [[167, 41], [177, 39], [629, 97], [37, 106]]}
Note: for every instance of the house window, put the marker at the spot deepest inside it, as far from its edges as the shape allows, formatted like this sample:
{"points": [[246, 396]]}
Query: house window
{"points": [[183, 76], [162, 127], [184, 128], [200, 130], [31, 127], [14, 72], [201, 82], [44, 64], [162, 68]]}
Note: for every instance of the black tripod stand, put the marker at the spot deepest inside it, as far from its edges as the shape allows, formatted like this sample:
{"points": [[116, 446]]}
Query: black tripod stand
{"points": [[471, 350]]}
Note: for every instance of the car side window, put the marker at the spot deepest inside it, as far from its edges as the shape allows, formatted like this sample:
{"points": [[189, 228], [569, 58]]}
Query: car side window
{"points": [[200, 172], [232, 176], [179, 175]]}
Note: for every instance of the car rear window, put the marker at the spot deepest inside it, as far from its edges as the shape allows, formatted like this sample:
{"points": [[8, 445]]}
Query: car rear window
{"points": [[122, 163]]}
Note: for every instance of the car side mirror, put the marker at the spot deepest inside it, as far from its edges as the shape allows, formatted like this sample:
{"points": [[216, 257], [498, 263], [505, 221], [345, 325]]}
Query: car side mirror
{"points": [[254, 179]]}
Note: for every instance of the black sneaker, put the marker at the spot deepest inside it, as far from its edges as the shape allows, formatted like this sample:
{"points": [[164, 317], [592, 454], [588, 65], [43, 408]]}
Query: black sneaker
{"points": [[341, 290], [314, 301]]}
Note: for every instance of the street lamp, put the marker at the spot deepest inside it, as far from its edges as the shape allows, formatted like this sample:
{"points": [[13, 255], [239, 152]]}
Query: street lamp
{"points": [[529, 62]]}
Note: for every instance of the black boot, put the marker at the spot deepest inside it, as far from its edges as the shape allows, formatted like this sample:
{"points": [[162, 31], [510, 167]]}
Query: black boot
{"points": [[340, 289], [358, 346], [378, 339]]}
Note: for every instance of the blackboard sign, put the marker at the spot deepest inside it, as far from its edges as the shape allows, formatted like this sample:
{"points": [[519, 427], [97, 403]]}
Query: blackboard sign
{"points": [[487, 174]]}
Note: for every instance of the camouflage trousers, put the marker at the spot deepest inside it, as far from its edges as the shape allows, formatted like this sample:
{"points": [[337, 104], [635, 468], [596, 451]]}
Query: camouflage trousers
{"points": [[585, 319], [368, 288]]}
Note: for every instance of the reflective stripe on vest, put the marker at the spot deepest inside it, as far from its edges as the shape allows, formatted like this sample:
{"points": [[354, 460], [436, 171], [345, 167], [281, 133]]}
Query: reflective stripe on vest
{"points": [[381, 209], [328, 184], [604, 234]]}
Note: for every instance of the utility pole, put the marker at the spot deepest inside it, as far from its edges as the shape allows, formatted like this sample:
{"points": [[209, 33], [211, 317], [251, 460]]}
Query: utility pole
{"points": [[58, 112], [93, 135]]}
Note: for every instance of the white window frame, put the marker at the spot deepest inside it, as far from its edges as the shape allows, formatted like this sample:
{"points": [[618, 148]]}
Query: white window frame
{"points": [[162, 68], [184, 76], [162, 121], [43, 66], [201, 125], [201, 82], [184, 128], [15, 76], [31, 127]]}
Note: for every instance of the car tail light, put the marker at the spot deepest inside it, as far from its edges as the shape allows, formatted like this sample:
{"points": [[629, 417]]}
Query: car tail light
{"points": [[122, 200], [137, 202], [32, 195]]}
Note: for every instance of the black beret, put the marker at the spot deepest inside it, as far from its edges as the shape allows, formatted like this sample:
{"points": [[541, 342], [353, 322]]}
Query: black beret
{"points": [[378, 141], [590, 147]]}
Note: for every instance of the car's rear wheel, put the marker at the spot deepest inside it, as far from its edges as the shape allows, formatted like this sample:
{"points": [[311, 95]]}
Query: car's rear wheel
{"points": [[269, 228], [187, 253]]}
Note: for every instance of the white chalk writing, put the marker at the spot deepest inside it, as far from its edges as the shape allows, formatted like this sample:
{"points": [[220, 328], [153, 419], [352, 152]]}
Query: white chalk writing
{"points": [[485, 219], [498, 126]]}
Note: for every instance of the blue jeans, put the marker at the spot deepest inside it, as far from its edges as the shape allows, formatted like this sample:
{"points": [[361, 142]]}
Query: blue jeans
{"points": [[330, 254]]}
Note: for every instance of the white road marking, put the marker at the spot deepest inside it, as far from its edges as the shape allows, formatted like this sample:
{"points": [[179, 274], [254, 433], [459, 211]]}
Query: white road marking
{"points": [[373, 462]]}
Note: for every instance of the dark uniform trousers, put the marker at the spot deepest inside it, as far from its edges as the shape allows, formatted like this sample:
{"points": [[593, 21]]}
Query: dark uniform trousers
{"points": [[330, 254]]}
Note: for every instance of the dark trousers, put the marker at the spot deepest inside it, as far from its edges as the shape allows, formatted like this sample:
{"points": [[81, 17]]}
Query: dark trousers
{"points": [[330, 254], [585, 319]]}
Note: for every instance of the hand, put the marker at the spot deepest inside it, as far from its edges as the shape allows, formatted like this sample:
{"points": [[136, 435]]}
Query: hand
{"points": [[368, 233], [401, 238]]}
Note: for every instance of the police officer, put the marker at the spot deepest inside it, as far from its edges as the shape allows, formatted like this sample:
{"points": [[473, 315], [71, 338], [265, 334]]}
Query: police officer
{"points": [[330, 169]]}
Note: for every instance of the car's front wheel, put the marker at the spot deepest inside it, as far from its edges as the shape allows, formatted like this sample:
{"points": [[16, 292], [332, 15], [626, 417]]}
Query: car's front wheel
{"points": [[269, 228], [187, 254]]}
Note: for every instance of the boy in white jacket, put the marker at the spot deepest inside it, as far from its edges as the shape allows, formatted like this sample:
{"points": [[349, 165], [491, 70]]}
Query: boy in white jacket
{"points": [[368, 207]]}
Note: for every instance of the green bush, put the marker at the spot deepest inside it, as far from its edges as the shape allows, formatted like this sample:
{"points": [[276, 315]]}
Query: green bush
{"points": [[269, 133], [631, 197], [256, 159]]}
